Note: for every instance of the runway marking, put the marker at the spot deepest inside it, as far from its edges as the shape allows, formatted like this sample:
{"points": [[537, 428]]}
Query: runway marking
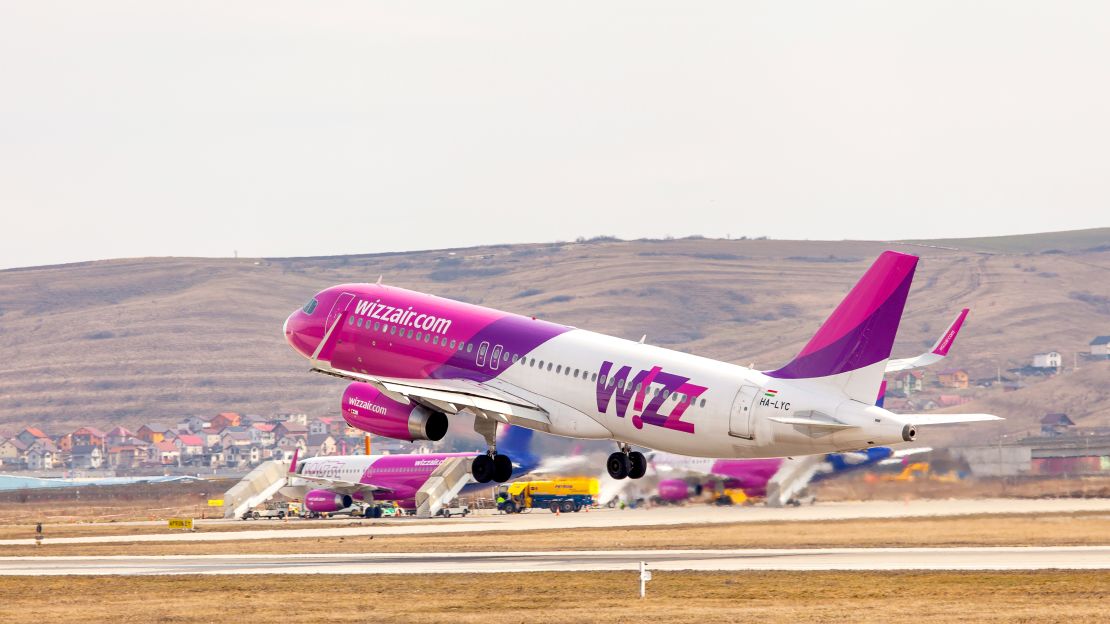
{"points": [[796, 559]]}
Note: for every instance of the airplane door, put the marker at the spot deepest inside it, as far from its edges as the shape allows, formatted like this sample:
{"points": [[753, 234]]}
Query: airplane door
{"points": [[740, 420], [480, 359], [341, 303], [495, 358]]}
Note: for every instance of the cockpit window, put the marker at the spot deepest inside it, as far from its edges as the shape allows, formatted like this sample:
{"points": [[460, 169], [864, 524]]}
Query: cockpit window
{"points": [[310, 306]]}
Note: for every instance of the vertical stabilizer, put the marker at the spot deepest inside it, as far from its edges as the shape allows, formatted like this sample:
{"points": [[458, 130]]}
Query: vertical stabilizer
{"points": [[851, 348]]}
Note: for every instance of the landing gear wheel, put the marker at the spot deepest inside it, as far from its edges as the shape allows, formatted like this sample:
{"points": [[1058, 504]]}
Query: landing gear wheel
{"points": [[637, 465], [482, 468], [502, 468], [618, 465]]}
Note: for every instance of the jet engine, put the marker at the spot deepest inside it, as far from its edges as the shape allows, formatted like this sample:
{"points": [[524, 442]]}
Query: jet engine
{"points": [[365, 407], [326, 501], [675, 490]]}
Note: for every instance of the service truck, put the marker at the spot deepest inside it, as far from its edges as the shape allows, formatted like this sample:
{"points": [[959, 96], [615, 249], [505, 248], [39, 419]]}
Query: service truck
{"points": [[563, 495]]}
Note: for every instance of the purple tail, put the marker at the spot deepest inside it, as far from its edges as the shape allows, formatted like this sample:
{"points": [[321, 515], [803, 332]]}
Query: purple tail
{"points": [[861, 330]]}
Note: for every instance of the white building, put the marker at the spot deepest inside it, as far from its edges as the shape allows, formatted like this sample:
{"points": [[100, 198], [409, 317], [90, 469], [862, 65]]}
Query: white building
{"points": [[1051, 359]]}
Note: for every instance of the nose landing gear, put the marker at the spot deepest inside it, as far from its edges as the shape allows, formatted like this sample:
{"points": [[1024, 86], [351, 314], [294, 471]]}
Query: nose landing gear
{"points": [[626, 463]]}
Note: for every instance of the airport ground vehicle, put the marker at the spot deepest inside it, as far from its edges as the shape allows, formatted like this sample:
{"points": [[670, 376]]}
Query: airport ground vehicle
{"points": [[453, 510], [565, 495], [272, 511]]}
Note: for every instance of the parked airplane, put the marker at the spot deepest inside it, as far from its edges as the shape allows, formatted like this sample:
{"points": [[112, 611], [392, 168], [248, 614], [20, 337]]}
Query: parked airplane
{"points": [[753, 475], [331, 483], [414, 358]]}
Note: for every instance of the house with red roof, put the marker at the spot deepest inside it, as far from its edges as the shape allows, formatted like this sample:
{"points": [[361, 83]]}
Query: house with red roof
{"points": [[30, 434], [224, 420], [164, 453], [189, 445]]}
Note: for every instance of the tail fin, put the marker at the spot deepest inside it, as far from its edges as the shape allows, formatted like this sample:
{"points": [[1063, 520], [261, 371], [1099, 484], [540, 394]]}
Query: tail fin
{"points": [[516, 442], [851, 348]]}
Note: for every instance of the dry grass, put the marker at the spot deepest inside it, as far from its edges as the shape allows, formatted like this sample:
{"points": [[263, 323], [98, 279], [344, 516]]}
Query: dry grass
{"points": [[1028, 530], [944, 597]]}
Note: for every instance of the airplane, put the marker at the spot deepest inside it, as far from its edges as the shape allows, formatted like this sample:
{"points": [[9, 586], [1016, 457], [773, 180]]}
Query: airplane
{"points": [[753, 475], [334, 482], [412, 359]]}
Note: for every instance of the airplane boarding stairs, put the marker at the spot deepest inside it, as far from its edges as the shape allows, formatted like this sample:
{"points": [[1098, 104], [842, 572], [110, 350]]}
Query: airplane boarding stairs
{"points": [[791, 480], [442, 486], [257, 487]]}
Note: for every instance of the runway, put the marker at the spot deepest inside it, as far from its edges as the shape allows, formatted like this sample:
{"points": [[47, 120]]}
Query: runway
{"points": [[543, 520], [993, 558]]}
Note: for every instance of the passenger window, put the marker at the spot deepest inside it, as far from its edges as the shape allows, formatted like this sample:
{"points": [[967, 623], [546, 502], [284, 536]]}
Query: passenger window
{"points": [[393, 330], [603, 380], [350, 320], [576, 373], [515, 358], [567, 373], [703, 402], [358, 322], [408, 334], [593, 376], [427, 337], [558, 369], [418, 335], [549, 366], [435, 340], [452, 346], [505, 358], [376, 325], [469, 347]]}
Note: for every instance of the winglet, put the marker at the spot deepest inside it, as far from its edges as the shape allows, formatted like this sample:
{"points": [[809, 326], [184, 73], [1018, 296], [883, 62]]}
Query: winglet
{"points": [[293, 462], [945, 342]]}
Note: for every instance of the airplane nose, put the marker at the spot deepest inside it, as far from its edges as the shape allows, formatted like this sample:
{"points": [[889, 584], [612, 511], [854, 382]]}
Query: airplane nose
{"points": [[301, 333]]}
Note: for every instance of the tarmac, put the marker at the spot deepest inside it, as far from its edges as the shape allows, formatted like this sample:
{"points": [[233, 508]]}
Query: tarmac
{"points": [[847, 559], [544, 520]]}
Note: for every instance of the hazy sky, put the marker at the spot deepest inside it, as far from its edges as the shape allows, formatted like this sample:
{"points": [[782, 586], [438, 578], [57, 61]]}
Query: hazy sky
{"points": [[308, 128]]}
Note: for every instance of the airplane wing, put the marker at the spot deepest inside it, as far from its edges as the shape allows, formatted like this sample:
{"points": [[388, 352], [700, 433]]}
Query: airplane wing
{"points": [[340, 486], [452, 396], [945, 419], [936, 353]]}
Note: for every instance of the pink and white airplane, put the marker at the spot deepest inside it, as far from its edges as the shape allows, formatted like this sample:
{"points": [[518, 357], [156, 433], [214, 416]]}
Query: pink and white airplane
{"points": [[334, 482], [413, 359]]}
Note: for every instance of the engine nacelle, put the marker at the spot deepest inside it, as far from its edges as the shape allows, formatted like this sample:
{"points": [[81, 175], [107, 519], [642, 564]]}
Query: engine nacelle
{"points": [[366, 408], [675, 490], [326, 501]]}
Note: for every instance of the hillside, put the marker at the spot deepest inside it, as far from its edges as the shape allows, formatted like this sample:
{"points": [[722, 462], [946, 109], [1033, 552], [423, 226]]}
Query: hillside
{"points": [[130, 341]]}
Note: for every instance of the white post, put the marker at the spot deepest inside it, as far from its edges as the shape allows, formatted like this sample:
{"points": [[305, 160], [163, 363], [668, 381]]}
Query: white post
{"points": [[645, 576]]}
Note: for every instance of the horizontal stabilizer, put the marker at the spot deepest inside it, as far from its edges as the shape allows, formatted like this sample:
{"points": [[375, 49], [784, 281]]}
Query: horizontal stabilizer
{"points": [[808, 422], [922, 420], [936, 353]]}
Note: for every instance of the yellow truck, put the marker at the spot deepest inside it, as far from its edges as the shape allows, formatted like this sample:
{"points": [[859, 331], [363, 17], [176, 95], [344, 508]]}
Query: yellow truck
{"points": [[557, 495]]}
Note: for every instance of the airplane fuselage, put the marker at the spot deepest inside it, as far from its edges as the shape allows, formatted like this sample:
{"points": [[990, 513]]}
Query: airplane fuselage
{"points": [[590, 385]]}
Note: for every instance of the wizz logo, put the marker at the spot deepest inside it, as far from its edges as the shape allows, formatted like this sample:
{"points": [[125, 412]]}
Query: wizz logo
{"points": [[634, 389]]}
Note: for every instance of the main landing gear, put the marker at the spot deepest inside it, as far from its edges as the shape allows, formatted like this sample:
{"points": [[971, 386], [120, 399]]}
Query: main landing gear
{"points": [[492, 466], [626, 463]]}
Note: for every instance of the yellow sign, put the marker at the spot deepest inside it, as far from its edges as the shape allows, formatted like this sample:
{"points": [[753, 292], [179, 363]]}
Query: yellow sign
{"points": [[181, 523], [215, 502]]}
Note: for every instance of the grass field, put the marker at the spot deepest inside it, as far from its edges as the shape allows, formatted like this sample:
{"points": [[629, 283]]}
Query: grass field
{"points": [[950, 597], [1025, 530]]}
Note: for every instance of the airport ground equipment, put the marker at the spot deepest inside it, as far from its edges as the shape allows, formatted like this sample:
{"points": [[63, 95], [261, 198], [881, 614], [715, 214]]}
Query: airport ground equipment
{"points": [[442, 486], [565, 495], [453, 510], [254, 489], [270, 512], [788, 485]]}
